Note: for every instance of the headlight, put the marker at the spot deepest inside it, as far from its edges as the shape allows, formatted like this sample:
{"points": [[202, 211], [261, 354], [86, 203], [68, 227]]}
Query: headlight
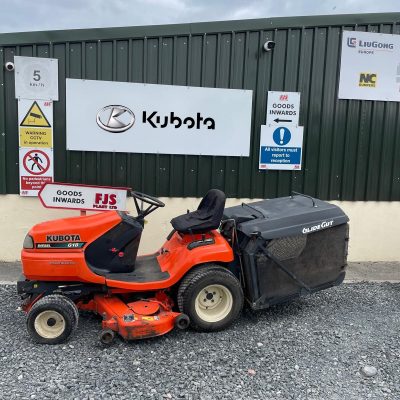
{"points": [[28, 242]]}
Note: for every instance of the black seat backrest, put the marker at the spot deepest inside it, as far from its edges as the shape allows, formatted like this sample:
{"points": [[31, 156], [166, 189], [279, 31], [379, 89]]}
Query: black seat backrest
{"points": [[207, 216]]}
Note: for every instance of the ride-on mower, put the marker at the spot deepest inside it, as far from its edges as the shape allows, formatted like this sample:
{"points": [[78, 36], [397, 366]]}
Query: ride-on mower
{"points": [[264, 252]]}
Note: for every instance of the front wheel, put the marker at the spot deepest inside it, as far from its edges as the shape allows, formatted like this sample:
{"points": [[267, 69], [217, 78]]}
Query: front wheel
{"points": [[52, 319], [211, 296]]}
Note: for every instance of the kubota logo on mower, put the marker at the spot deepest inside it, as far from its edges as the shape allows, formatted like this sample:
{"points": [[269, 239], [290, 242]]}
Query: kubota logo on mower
{"points": [[62, 238], [115, 118]]}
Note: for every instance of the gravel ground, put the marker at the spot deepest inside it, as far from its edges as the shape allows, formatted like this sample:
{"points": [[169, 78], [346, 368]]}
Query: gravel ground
{"points": [[312, 348]]}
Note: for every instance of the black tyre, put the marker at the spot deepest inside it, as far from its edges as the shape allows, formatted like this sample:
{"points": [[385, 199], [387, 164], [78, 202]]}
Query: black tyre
{"points": [[107, 336], [76, 313], [51, 320], [182, 321], [211, 296]]}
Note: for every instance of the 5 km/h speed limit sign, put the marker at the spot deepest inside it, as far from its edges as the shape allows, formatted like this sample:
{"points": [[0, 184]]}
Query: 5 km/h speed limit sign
{"points": [[36, 78]]}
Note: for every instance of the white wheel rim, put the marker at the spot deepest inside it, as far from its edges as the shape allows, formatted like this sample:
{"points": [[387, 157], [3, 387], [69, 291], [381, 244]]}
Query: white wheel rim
{"points": [[213, 303], [49, 324]]}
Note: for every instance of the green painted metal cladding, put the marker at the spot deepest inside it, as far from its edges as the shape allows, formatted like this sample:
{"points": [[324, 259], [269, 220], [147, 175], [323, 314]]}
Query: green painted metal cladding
{"points": [[351, 147]]}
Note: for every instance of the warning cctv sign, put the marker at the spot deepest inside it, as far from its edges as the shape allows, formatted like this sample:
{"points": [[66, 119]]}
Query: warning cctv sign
{"points": [[35, 116], [35, 137], [35, 123]]}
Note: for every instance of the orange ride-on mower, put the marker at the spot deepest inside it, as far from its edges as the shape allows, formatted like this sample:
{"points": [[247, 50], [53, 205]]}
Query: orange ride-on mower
{"points": [[266, 252]]}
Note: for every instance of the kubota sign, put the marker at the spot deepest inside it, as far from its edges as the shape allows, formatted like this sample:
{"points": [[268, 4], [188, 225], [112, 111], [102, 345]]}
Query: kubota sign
{"points": [[165, 119], [83, 197]]}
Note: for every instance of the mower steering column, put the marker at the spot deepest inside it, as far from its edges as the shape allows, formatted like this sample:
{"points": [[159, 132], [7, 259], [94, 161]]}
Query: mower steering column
{"points": [[153, 204]]}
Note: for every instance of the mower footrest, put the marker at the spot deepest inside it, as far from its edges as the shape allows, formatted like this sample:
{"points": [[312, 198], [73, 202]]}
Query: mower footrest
{"points": [[147, 269]]}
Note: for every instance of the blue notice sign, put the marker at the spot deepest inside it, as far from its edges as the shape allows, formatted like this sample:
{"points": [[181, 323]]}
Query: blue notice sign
{"points": [[282, 136], [281, 147]]}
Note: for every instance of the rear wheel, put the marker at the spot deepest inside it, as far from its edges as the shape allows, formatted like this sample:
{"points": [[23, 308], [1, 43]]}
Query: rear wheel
{"points": [[211, 296], [52, 319]]}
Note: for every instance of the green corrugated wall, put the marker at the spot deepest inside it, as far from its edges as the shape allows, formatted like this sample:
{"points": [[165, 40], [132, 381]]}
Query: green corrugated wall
{"points": [[351, 147]]}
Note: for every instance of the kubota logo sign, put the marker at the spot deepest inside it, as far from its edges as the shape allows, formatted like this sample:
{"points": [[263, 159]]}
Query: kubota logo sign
{"points": [[120, 118], [115, 118], [197, 122]]}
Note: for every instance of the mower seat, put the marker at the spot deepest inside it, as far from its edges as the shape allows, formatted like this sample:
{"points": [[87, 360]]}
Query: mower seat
{"points": [[207, 216]]}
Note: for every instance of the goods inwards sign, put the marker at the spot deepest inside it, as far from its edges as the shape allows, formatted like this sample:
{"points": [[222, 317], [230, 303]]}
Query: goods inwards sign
{"points": [[281, 147], [83, 197], [283, 107]]}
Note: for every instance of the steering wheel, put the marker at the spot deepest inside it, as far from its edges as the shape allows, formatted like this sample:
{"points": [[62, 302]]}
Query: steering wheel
{"points": [[152, 201], [146, 198]]}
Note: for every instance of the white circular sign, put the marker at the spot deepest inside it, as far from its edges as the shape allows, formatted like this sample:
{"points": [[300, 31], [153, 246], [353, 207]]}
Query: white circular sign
{"points": [[36, 78]]}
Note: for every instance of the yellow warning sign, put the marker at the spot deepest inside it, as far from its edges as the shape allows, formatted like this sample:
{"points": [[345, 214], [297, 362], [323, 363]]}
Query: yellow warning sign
{"points": [[35, 137], [35, 117]]}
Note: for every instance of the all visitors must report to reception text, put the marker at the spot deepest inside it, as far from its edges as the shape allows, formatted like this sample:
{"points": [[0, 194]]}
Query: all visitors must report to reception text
{"points": [[280, 155]]}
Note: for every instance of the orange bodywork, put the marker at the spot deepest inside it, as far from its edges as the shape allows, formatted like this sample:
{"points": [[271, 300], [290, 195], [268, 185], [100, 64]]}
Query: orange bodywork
{"points": [[176, 259], [133, 320], [66, 264], [69, 264]]}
